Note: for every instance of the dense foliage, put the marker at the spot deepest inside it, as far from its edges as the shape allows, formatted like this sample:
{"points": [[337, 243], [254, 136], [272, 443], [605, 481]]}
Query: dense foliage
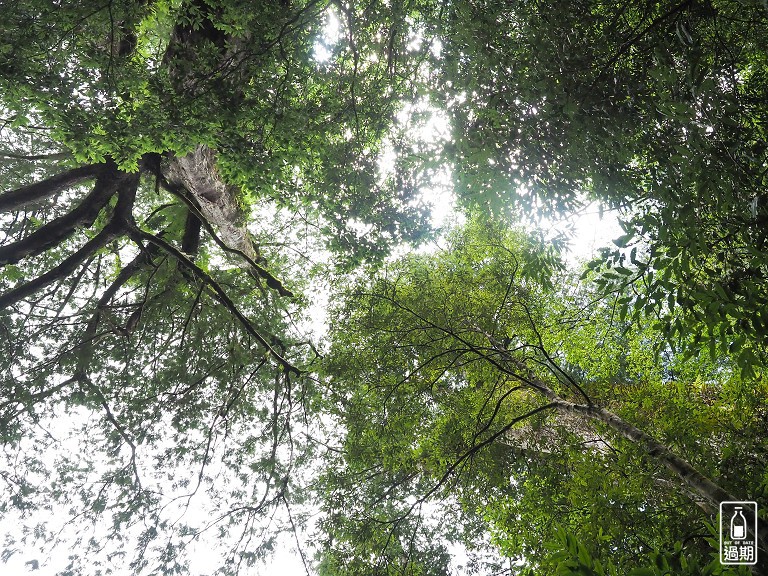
{"points": [[654, 108], [180, 178], [171, 173], [450, 372]]}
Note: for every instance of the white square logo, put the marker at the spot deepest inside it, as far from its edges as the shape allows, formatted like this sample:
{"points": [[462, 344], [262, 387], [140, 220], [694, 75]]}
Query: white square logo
{"points": [[738, 533]]}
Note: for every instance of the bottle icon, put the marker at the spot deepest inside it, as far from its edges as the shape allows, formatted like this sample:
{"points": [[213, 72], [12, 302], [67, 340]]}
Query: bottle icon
{"points": [[738, 525]]}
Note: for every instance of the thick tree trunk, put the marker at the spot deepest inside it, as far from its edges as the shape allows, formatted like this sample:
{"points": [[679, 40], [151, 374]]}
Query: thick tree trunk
{"points": [[217, 201], [195, 176], [196, 172]]}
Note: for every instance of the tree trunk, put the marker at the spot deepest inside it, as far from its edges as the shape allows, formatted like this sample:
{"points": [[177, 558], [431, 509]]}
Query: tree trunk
{"points": [[700, 489], [710, 493], [217, 201]]}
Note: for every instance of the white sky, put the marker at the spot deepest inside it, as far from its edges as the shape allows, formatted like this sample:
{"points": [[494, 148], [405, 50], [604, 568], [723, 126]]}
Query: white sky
{"points": [[591, 231]]}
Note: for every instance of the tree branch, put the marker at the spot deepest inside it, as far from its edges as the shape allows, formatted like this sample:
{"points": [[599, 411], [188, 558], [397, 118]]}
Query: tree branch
{"points": [[124, 276], [126, 186], [21, 197], [190, 242], [58, 230], [624, 48], [258, 270], [473, 450], [137, 234], [116, 424], [35, 157]]}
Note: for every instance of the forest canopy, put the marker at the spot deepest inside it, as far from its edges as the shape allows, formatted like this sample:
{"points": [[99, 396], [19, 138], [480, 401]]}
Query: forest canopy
{"points": [[228, 314]]}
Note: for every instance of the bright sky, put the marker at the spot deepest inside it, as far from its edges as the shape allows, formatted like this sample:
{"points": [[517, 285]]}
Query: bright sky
{"points": [[591, 231]]}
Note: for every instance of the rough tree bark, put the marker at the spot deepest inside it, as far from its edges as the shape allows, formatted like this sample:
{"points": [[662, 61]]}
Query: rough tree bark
{"points": [[217, 201], [195, 174]]}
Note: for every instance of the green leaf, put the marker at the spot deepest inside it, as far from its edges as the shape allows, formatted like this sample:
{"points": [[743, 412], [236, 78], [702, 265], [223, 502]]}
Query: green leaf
{"points": [[622, 241], [643, 572]]}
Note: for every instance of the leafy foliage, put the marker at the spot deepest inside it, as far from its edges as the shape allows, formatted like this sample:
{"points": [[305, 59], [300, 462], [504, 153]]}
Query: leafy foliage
{"points": [[173, 174], [572, 558], [655, 109], [177, 174], [434, 410]]}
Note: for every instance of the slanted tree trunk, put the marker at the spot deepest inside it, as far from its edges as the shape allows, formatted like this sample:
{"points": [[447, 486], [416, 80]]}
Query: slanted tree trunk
{"points": [[709, 493], [692, 478], [216, 200], [703, 491]]}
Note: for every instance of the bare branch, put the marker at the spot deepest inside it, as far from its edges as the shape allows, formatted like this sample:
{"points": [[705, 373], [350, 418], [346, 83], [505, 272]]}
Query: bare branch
{"points": [[35, 157], [137, 234], [119, 427]]}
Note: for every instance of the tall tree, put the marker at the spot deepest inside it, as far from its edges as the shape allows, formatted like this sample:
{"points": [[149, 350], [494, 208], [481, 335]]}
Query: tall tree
{"points": [[656, 109], [170, 172], [170, 167], [465, 377]]}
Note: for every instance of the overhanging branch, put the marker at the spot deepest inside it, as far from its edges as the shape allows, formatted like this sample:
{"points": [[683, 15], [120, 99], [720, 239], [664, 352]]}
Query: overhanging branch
{"points": [[126, 185], [58, 230], [21, 197]]}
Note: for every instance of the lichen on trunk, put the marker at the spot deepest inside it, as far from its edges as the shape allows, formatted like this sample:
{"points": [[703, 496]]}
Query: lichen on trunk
{"points": [[196, 173]]}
